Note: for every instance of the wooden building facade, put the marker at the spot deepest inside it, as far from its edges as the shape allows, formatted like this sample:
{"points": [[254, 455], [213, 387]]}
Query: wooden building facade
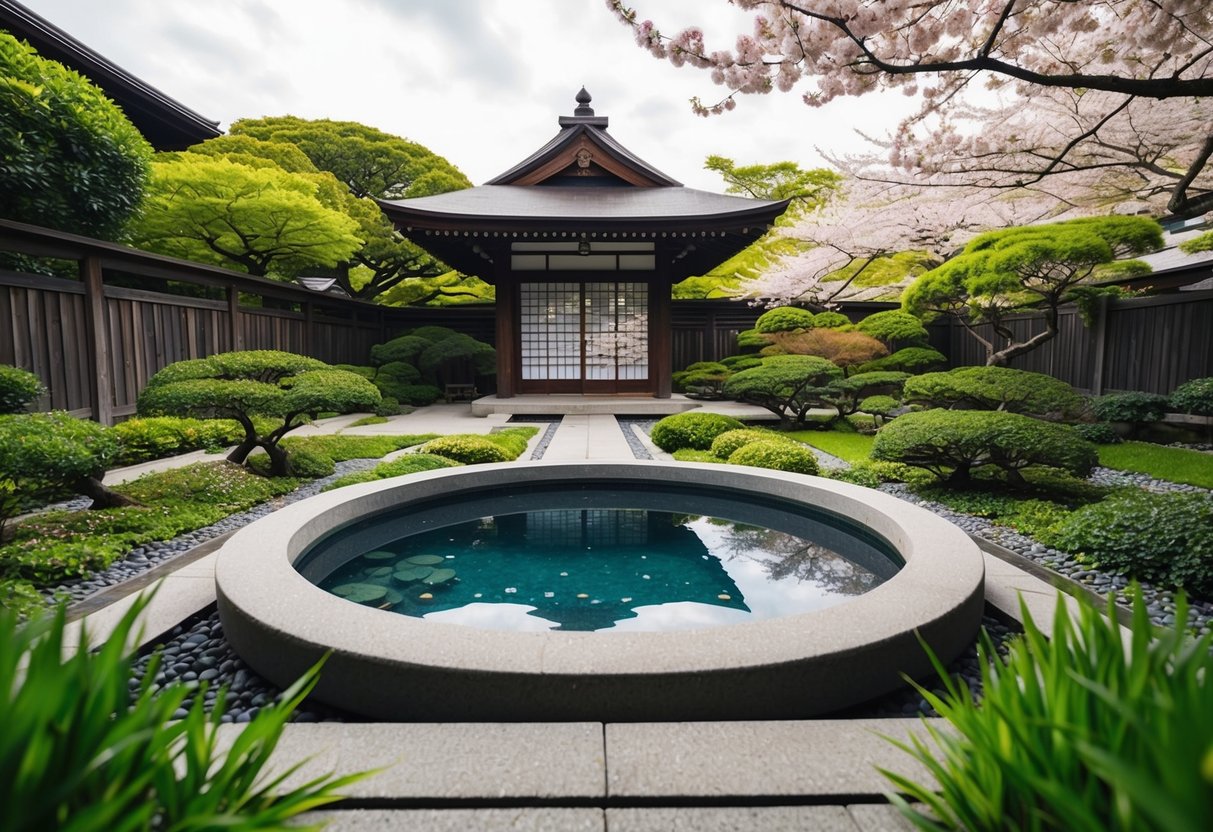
{"points": [[583, 240]]}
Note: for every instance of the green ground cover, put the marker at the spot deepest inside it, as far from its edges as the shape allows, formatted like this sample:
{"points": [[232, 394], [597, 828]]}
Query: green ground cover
{"points": [[849, 447], [1172, 464]]}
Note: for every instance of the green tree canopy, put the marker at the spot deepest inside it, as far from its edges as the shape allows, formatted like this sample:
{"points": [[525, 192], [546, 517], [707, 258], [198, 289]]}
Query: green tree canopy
{"points": [[1032, 266], [71, 158], [372, 164], [261, 220]]}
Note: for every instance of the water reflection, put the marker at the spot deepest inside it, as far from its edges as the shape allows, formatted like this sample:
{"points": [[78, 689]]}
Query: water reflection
{"points": [[585, 569]]}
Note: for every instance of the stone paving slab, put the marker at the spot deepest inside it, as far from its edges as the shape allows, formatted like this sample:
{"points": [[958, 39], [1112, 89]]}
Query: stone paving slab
{"points": [[448, 761], [776, 758], [876, 817], [727, 819], [460, 820]]}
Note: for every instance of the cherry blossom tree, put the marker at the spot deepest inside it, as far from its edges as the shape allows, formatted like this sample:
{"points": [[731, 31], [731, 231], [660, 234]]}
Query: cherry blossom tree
{"points": [[1116, 59]]}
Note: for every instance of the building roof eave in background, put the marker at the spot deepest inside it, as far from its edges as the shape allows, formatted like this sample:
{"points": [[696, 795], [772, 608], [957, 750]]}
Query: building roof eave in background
{"points": [[166, 123]]}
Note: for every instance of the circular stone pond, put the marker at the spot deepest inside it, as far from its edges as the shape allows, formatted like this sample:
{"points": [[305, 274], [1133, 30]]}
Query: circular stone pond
{"points": [[472, 593]]}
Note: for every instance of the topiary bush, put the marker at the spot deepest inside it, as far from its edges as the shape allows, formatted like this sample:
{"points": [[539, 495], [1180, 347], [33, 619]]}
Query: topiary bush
{"points": [[404, 349], [784, 319], [1166, 539], [44, 453], [737, 363], [726, 443], [1101, 433], [244, 385], [907, 360], [994, 388], [951, 445], [882, 407], [1195, 396], [781, 455], [140, 440], [894, 326], [846, 393], [751, 339], [469, 449], [830, 320], [388, 406], [18, 389], [691, 430], [456, 347], [1137, 408], [419, 395], [703, 380], [787, 385]]}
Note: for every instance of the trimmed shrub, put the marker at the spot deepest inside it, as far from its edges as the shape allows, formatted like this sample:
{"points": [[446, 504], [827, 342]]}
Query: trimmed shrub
{"points": [[692, 455], [994, 388], [894, 327], [407, 464], [155, 437], [845, 348], [779, 454], [751, 339], [1130, 407], [395, 377], [1166, 539], [470, 449], [726, 443], [512, 440], [908, 360], [703, 380], [952, 444], [831, 320], [1195, 396], [737, 363], [787, 385], [18, 388], [309, 464], [419, 395], [388, 406], [1101, 433], [691, 430], [404, 349], [434, 333], [846, 393], [367, 373], [268, 383], [456, 347], [880, 406], [784, 319]]}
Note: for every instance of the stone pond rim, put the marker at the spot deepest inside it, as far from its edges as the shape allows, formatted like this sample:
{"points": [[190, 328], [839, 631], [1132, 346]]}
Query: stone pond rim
{"points": [[396, 668]]}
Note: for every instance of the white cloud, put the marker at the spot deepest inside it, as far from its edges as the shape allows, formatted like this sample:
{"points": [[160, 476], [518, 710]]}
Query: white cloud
{"points": [[478, 81]]}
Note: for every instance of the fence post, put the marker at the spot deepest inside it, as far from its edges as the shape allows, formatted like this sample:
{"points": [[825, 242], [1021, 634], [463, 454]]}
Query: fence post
{"points": [[101, 388], [1100, 336], [233, 317], [308, 348]]}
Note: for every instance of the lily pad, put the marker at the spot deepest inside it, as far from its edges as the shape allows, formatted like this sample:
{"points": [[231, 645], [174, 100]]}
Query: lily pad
{"points": [[392, 598], [409, 574], [439, 576], [377, 571], [361, 593], [425, 560], [380, 554]]}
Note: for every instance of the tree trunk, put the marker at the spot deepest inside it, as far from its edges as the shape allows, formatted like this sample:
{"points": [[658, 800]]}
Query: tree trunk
{"points": [[241, 451], [960, 474], [102, 496], [277, 456], [1014, 478]]}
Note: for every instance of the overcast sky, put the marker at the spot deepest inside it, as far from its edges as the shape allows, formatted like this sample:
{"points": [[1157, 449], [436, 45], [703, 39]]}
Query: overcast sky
{"points": [[480, 82]]}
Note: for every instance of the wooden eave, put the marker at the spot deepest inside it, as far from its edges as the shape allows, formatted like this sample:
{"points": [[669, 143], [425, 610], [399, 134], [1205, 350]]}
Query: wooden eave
{"points": [[164, 122]]}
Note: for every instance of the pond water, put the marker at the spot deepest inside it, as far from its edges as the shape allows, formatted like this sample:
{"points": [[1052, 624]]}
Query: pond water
{"points": [[593, 559]]}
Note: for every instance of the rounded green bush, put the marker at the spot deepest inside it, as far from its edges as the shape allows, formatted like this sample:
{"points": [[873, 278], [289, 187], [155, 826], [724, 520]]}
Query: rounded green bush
{"points": [[1195, 396], [155, 437], [404, 349], [751, 339], [418, 395], [468, 449], [512, 440], [726, 443], [395, 377], [778, 454], [1101, 433], [18, 388], [691, 430], [893, 326], [879, 405], [784, 319], [1130, 407], [1162, 538], [737, 363], [950, 444], [830, 320], [434, 333], [302, 462], [388, 406], [908, 360], [994, 388]]}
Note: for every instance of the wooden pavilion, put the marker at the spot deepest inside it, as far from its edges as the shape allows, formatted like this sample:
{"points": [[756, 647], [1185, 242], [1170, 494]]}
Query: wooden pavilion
{"points": [[583, 240]]}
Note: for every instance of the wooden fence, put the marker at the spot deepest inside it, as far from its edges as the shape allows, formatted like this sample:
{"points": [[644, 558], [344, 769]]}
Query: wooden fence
{"points": [[95, 342]]}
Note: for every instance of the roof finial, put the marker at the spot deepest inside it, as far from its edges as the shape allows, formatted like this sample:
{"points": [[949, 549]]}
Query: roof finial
{"points": [[583, 104]]}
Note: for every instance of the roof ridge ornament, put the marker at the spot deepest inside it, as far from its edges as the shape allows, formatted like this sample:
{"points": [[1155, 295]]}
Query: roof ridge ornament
{"points": [[583, 100]]}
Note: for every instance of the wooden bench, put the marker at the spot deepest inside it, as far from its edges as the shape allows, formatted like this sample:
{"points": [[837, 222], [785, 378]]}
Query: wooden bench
{"points": [[460, 392]]}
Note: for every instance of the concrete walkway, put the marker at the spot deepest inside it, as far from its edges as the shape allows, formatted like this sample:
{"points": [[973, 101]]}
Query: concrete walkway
{"points": [[813, 774]]}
